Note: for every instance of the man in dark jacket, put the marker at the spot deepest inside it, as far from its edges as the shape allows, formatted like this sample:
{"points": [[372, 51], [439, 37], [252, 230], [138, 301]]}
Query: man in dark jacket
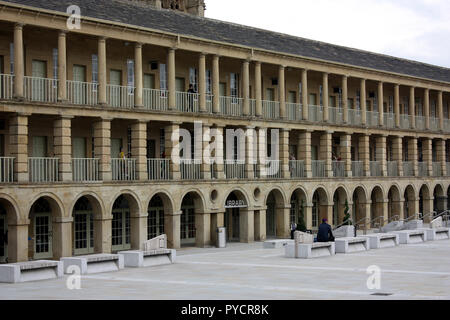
{"points": [[325, 233]]}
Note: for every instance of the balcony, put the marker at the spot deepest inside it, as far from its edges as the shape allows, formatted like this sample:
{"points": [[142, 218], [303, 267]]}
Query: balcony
{"points": [[375, 169], [82, 93], [270, 109], [408, 169], [158, 169], [392, 168], [273, 169], [338, 169], [437, 169], [6, 86], [40, 89], [335, 115], [372, 118], [294, 111], [315, 113], [85, 170], [357, 168], [190, 169], [318, 168], [231, 106], [405, 121], [354, 117], [235, 169], [420, 122], [423, 169], [297, 169], [434, 124], [6, 170], [156, 100], [120, 96], [187, 102], [43, 169], [389, 120], [123, 169], [446, 125]]}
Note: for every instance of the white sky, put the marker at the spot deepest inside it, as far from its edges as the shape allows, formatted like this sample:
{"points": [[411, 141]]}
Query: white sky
{"points": [[410, 29]]}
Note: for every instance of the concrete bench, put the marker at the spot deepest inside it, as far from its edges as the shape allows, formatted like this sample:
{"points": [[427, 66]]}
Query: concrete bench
{"points": [[139, 259], [382, 240], [353, 244], [436, 234], [30, 271], [95, 263], [411, 236], [276, 243], [310, 250], [344, 232]]}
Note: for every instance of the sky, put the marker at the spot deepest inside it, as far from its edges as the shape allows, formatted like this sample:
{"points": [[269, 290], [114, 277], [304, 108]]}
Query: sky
{"points": [[410, 29]]}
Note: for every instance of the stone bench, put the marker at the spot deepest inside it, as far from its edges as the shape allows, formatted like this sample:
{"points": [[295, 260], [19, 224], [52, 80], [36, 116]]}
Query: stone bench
{"points": [[139, 259], [411, 236], [353, 244], [95, 263], [433, 234], [382, 240], [30, 271], [276, 243], [310, 250]]}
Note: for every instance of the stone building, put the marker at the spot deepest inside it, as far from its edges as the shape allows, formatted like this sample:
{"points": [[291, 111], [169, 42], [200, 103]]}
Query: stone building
{"points": [[89, 115]]}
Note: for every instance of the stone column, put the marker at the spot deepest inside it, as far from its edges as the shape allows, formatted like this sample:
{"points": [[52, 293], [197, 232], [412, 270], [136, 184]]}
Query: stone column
{"points": [[62, 142], [220, 170], [138, 76], [440, 150], [346, 153], [103, 233], [206, 138], [216, 222], [250, 148], [139, 148], [428, 155], [172, 227], [412, 154], [363, 102], [284, 153], [202, 82], [345, 98], [102, 147], [412, 107], [18, 144], [426, 106], [282, 221], [381, 153], [304, 151], [385, 213], [19, 63], [260, 225], [62, 67], [440, 110], [380, 104], [246, 226], [139, 231], [172, 149], [364, 153], [397, 105], [216, 84], [325, 151], [171, 78], [258, 89], [325, 97], [305, 106], [62, 237], [102, 77], [308, 215], [282, 91], [397, 153], [262, 152], [203, 229], [246, 87], [18, 242]]}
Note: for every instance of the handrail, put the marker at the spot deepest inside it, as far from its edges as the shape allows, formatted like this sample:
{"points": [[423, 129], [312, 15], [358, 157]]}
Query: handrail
{"points": [[410, 218], [427, 215], [344, 224]]}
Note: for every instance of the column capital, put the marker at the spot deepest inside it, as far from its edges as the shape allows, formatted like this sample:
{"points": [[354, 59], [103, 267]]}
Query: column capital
{"points": [[102, 38], [285, 129], [142, 121], [329, 132], [325, 74], [282, 66], [23, 114], [138, 44], [177, 123], [62, 32], [19, 25], [219, 125], [65, 117], [250, 127], [108, 119]]}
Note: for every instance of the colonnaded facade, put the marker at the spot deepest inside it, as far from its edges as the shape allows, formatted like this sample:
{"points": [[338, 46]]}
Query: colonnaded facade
{"points": [[90, 109]]}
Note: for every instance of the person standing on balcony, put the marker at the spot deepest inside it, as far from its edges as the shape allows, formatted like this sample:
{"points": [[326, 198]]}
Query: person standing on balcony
{"points": [[191, 92]]}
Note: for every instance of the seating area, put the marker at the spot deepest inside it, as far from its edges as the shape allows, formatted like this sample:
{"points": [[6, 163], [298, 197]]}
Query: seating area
{"points": [[382, 240], [95, 263], [411, 236], [276, 243], [30, 271], [310, 250], [352, 244]]}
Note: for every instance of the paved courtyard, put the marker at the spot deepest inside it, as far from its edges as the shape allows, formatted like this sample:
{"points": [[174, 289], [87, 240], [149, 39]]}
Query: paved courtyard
{"points": [[247, 271]]}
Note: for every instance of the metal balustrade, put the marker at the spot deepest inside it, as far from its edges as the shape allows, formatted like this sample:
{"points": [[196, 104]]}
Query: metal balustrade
{"points": [[256, 171], [235, 169], [294, 111], [123, 169], [420, 122], [389, 120], [85, 170], [375, 169], [446, 125], [318, 168], [209, 103], [40, 89], [43, 169], [405, 121], [272, 169], [158, 169], [423, 169], [408, 169], [271, 109], [190, 169], [212, 168], [252, 107], [434, 124], [354, 117], [82, 93], [357, 168], [231, 106], [372, 118], [187, 102], [6, 169], [392, 168], [297, 168], [120, 96], [335, 115], [437, 169], [6, 86], [338, 169], [315, 113], [154, 99]]}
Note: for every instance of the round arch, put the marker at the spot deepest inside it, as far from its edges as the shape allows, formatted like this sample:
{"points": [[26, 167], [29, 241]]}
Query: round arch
{"points": [[394, 203], [320, 206], [340, 197], [377, 207], [409, 204], [359, 207], [237, 220], [425, 201], [9, 218], [160, 216], [277, 218], [299, 202], [194, 224], [439, 199]]}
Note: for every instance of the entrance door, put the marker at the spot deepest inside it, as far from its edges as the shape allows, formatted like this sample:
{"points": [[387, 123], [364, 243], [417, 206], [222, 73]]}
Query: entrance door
{"points": [[83, 227], [271, 229], [232, 216], [188, 225], [3, 236], [115, 80], [79, 148], [155, 220], [79, 89], [222, 89], [39, 73], [116, 145], [121, 226], [270, 94], [43, 236]]}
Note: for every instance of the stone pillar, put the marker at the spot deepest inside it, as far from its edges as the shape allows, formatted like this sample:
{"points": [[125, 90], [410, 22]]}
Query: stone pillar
{"points": [[397, 105], [284, 153], [246, 87], [103, 234], [18, 144], [139, 148], [172, 227], [328, 214], [62, 67], [202, 82], [19, 63], [282, 221], [413, 154], [397, 153], [426, 106], [139, 231], [262, 152], [258, 89], [172, 141], [385, 213], [305, 106], [380, 104], [102, 77], [325, 152], [346, 153], [440, 150], [216, 84], [220, 170], [62, 237], [216, 222], [308, 215], [246, 226], [412, 107], [363, 102], [171, 78], [250, 148], [440, 110], [62, 142], [102, 147], [203, 229], [428, 155], [345, 98], [260, 225], [138, 76], [381, 153], [364, 153], [18, 242], [304, 151], [325, 97], [206, 138], [282, 91]]}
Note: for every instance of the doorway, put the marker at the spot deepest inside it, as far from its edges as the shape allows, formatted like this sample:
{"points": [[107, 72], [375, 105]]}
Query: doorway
{"points": [[3, 236], [41, 230]]}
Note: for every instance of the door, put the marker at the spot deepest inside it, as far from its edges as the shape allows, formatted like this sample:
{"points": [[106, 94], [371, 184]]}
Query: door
{"points": [[232, 217], [43, 236], [121, 229], [270, 217], [79, 89], [270, 94], [292, 97], [38, 169], [149, 81], [312, 99], [82, 169], [3, 81], [83, 232], [39, 73], [188, 225], [115, 81], [116, 145], [155, 220], [223, 89], [180, 85], [3, 236], [79, 148]]}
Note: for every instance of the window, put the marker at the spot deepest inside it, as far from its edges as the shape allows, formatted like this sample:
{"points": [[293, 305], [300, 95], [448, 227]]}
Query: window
{"points": [[162, 142], [358, 100], [129, 141], [11, 57], [234, 84], [208, 85], [162, 77], [193, 80], [375, 102], [130, 74], [95, 70], [391, 104], [55, 67], [321, 95]]}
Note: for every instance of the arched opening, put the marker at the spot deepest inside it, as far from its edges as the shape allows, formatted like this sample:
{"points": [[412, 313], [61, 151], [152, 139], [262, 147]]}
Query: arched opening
{"points": [[3, 235], [298, 207], [235, 210], [276, 226], [155, 218], [194, 228], [359, 208], [448, 198], [376, 208], [409, 206], [424, 201], [83, 227], [319, 208], [121, 224], [439, 199], [394, 205], [339, 199], [8, 244]]}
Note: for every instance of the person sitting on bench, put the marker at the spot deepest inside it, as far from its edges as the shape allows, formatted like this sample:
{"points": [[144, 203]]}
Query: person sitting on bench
{"points": [[325, 233]]}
